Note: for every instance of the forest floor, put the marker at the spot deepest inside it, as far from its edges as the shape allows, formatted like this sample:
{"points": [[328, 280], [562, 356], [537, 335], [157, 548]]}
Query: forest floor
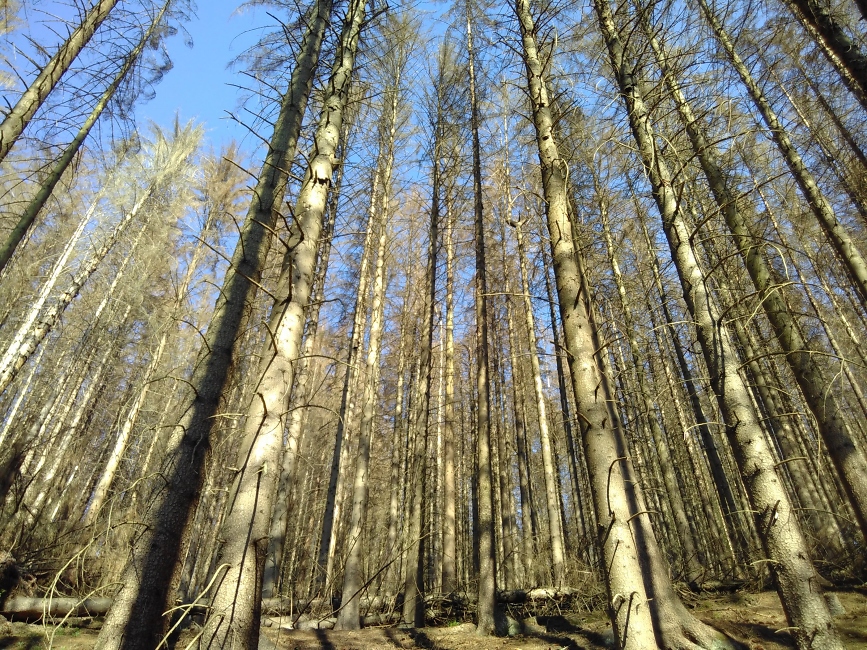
{"points": [[754, 619]]}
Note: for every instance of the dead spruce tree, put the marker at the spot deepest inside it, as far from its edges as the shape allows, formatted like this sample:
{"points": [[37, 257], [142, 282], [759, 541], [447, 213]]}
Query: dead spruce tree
{"points": [[234, 616], [642, 604], [781, 536], [136, 620]]}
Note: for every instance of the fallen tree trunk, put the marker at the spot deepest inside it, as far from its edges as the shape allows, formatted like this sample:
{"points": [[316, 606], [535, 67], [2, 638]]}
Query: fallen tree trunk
{"points": [[438, 605], [24, 608]]}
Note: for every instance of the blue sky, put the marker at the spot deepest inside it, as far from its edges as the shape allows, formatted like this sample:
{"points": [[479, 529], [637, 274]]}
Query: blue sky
{"points": [[198, 84]]}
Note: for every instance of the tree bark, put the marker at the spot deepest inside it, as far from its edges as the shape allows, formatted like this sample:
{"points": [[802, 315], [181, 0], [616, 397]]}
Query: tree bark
{"points": [[353, 578], [486, 611], [552, 493]]}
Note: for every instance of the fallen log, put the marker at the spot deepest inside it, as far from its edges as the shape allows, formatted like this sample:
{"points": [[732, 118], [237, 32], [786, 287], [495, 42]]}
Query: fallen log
{"points": [[22, 608], [437, 605]]}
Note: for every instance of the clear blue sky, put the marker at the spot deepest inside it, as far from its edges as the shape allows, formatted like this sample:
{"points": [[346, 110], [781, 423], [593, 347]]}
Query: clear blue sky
{"points": [[198, 85]]}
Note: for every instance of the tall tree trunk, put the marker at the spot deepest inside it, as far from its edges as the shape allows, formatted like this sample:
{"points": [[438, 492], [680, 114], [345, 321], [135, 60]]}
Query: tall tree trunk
{"points": [[31, 336], [693, 567], [400, 451], [136, 621], [551, 471], [415, 498], [486, 608], [783, 541], [297, 417], [528, 512], [28, 323], [577, 465], [732, 513], [348, 618], [48, 184], [627, 597], [449, 575], [841, 50], [346, 421], [17, 119], [234, 617]]}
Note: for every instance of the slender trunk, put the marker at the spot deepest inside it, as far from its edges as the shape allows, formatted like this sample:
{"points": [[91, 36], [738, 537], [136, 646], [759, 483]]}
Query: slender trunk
{"points": [[449, 575], [487, 561], [576, 464], [297, 416], [349, 619], [398, 453], [124, 435], [783, 541], [528, 528], [10, 355], [48, 184], [552, 493], [626, 595], [693, 567], [17, 119], [10, 416], [136, 620], [27, 340], [345, 423], [841, 50], [732, 516], [415, 499]]}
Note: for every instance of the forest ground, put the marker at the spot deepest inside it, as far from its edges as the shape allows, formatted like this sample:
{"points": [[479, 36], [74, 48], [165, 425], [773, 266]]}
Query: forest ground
{"points": [[755, 619]]}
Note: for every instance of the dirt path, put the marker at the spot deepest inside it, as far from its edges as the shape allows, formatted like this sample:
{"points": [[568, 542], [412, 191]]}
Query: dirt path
{"points": [[755, 619]]}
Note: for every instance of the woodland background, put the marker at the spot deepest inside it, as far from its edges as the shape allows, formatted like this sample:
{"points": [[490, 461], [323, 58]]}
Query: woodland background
{"points": [[552, 294]]}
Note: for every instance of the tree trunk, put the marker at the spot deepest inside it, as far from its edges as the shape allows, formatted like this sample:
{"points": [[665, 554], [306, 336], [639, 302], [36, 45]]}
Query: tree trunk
{"points": [[297, 417], [349, 616], [136, 620], [552, 471], [48, 184], [842, 51], [449, 575], [688, 550], [346, 421], [627, 598], [783, 541], [234, 617], [486, 610], [15, 122]]}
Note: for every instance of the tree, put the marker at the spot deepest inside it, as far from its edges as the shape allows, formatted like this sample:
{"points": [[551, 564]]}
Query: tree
{"points": [[783, 540], [60, 166], [836, 232], [235, 612], [136, 619], [486, 613], [17, 119]]}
